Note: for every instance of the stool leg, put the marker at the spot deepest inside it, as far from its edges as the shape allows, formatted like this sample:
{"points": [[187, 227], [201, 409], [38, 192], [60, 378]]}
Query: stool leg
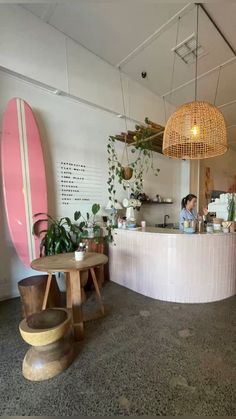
{"points": [[97, 289], [76, 300], [45, 298]]}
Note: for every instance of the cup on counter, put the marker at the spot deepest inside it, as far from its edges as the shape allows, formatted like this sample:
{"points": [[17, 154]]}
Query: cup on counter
{"points": [[143, 224], [186, 224]]}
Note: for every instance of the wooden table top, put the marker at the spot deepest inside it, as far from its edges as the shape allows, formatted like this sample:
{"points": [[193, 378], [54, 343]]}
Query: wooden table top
{"points": [[65, 262]]}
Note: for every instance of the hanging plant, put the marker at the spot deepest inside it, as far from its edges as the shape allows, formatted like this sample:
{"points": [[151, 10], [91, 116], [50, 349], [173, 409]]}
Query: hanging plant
{"points": [[136, 170]]}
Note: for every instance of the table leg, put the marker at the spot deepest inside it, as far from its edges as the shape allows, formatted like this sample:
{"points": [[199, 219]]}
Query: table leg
{"points": [[68, 291], [45, 298], [76, 301], [95, 283]]}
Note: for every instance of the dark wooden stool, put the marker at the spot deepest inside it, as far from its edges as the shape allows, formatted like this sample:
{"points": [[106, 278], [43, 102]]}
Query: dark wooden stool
{"points": [[98, 246], [32, 291]]}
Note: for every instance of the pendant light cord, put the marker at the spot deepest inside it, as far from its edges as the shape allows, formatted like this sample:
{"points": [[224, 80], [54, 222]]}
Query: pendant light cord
{"points": [[196, 61], [173, 67], [126, 127], [217, 85]]}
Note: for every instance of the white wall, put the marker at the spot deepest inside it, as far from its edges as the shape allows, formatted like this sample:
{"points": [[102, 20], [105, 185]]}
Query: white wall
{"points": [[70, 129], [33, 48]]}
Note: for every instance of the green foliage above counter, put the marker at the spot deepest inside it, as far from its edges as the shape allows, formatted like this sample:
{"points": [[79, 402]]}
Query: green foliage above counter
{"points": [[143, 162]]}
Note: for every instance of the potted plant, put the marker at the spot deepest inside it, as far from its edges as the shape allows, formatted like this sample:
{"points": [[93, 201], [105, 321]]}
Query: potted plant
{"points": [[89, 226], [64, 235], [56, 238]]}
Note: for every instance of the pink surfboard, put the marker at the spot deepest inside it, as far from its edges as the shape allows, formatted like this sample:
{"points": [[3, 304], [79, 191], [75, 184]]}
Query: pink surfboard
{"points": [[23, 174]]}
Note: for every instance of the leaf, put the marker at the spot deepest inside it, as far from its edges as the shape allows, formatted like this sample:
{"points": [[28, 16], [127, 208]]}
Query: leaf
{"points": [[36, 226], [47, 215], [68, 221], [95, 208], [77, 215]]}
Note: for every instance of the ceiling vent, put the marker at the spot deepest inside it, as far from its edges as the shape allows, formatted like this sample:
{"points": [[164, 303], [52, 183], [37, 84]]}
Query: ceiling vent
{"points": [[187, 50]]}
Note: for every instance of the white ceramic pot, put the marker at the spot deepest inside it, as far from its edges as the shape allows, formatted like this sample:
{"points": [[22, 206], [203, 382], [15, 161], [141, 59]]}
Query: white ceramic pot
{"points": [[79, 256]]}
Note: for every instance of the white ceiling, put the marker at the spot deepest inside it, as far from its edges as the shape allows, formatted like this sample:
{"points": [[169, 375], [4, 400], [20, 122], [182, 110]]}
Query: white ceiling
{"points": [[141, 35]]}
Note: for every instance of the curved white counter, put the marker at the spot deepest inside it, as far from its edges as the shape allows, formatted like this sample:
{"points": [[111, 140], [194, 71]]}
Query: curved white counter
{"points": [[172, 266]]}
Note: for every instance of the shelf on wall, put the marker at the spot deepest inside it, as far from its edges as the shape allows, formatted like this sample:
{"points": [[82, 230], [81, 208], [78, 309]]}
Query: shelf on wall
{"points": [[149, 135]]}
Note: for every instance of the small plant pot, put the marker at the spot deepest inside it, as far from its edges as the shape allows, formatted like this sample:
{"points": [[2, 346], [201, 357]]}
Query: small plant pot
{"points": [[127, 173], [79, 256]]}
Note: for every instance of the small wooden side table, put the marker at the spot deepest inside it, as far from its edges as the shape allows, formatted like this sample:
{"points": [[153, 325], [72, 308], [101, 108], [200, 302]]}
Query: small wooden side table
{"points": [[66, 263]]}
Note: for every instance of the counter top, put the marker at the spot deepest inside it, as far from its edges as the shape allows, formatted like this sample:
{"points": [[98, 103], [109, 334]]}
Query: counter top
{"points": [[171, 231]]}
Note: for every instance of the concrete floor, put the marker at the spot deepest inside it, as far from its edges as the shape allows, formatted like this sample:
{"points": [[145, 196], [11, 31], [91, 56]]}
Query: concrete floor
{"points": [[145, 357]]}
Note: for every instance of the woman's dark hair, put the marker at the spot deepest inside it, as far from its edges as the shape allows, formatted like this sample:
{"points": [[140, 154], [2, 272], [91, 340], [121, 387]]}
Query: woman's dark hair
{"points": [[187, 198]]}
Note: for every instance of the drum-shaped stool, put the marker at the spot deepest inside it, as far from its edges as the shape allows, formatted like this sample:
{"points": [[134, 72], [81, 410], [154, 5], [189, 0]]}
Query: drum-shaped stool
{"points": [[48, 332]]}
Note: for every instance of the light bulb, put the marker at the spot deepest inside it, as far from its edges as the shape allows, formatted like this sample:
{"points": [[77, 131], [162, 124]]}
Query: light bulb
{"points": [[195, 130]]}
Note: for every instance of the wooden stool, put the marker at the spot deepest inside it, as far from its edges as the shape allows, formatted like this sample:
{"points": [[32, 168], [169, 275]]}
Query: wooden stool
{"points": [[101, 271], [52, 347], [32, 290]]}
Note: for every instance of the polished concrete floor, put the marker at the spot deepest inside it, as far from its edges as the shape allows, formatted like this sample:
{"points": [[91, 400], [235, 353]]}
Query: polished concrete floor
{"points": [[144, 357]]}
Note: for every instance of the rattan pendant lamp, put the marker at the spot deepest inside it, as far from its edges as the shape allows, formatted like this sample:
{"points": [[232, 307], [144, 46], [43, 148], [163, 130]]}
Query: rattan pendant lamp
{"points": [[196, 130]]}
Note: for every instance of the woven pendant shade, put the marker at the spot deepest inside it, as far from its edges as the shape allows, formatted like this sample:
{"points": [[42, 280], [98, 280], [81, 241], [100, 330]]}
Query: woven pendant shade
{"points": [[196, 130]]}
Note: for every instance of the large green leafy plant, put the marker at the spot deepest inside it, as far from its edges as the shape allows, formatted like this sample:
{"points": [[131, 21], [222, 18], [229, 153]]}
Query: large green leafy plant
{"points": [[64, 235]]}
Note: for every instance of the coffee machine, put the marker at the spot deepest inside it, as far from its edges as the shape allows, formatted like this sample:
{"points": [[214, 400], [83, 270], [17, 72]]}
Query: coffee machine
{"points": [[131, 205]]}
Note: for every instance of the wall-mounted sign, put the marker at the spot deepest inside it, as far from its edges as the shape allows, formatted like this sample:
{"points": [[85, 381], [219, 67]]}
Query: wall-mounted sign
{"points": [[79, 183]]}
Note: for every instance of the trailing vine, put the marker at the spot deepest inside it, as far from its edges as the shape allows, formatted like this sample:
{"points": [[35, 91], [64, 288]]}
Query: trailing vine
{"points": [[141, 165]]}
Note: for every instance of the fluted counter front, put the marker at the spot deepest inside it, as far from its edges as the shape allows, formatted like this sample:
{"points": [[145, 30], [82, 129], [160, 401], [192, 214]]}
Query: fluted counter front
{"points": [[171, 266]]}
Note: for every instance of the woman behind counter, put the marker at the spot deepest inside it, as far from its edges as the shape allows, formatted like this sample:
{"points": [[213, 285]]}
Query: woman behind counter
{"points": [[189, 211]]}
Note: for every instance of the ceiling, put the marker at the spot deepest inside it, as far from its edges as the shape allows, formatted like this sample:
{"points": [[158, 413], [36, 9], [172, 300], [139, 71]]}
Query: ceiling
{"points": [[140, 36]]}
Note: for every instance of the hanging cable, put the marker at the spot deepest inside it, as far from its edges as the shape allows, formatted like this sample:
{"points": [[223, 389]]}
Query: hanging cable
{"points": [[164, 103], [125, 151], [217, 85], [196, 53], [173, 67]]}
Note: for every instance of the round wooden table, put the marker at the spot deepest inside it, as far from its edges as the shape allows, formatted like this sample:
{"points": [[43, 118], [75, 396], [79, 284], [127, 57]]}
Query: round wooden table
{"points": [[66, 263]]}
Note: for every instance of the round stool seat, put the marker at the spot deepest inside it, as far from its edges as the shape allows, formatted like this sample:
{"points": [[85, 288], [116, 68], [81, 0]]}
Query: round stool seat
{"points": [[52, 348], [45, 327]]}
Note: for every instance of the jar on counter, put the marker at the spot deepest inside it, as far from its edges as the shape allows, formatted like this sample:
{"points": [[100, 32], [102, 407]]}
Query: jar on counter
{"points": [[209, 228]]}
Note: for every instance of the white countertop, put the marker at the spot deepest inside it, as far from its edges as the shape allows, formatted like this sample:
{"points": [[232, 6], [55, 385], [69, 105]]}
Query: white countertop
{"points": [[171, 231]]}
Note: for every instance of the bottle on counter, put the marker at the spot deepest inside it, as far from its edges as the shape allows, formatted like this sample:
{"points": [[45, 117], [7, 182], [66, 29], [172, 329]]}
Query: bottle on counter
{"points": [[200, 226], [120, 222]]}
